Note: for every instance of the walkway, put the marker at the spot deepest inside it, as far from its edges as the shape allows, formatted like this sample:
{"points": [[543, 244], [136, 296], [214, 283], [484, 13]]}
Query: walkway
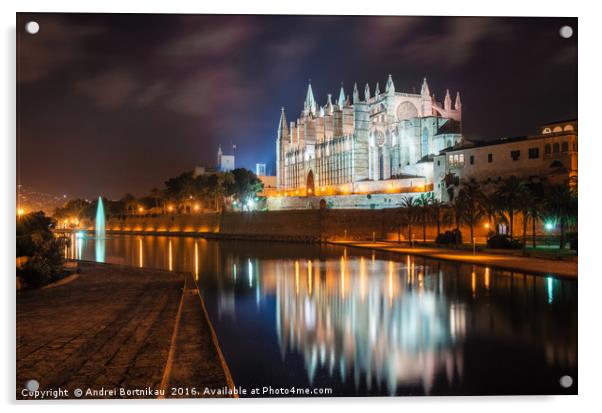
{"points": [[517, 263], [113, 328]]}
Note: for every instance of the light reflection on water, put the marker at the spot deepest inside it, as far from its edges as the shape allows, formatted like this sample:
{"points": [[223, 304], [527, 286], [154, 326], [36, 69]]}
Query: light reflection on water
{"points": [[366, 323]]}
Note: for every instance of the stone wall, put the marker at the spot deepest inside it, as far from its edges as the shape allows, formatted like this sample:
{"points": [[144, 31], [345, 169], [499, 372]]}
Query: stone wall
{"points": [[302, 225], [207, 222]]}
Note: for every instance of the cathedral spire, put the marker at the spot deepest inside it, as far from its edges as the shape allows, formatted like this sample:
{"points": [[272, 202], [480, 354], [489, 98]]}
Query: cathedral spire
{"points": [[341, 101], [356, 94], [367, 92], [447, 103], [282, 126], [458, 104], [310, 102], [329, 104], [377, 91], [390, 88], [424, 91]]}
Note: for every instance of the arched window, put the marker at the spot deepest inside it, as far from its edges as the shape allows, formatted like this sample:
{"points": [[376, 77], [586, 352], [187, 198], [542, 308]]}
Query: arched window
{"points": [[546, 130], [557, 129], [425, 142], [568, 128]]}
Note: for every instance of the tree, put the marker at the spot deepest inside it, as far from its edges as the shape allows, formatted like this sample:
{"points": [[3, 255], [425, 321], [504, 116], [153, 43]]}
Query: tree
{"points": [[490, 208], [181, 189], [156, 195], [437, 212], [532, 209], [245, 185], [510, 194], [424, 204], [409, 212], [74, 208], [217, 186], [561, 203], [45, 251], [469, 201]]}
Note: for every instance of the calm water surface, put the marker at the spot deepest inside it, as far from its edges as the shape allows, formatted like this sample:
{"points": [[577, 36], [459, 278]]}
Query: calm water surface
{"points": [[364, 323]]}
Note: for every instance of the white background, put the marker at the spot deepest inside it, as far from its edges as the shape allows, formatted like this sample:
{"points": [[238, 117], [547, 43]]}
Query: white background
{"points": [[590, 202]]}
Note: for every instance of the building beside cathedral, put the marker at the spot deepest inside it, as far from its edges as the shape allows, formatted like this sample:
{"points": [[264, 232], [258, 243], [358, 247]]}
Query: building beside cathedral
{"points": [[379, 143]]}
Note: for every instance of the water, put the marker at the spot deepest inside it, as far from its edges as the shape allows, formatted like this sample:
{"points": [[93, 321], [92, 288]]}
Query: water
{"points": [[364, 323]]}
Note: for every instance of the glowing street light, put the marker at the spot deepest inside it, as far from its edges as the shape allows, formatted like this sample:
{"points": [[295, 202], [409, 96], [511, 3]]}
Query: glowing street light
{"points": [[196, 207], [549, 226], [20, 212]]}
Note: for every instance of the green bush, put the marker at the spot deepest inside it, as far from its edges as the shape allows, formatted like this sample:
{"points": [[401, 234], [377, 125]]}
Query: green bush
{"points": [[503, 242]]}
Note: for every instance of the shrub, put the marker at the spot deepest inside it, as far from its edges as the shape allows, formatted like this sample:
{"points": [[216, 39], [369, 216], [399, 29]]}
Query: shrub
{"points": [[453, 237], [503, 242], [572, 237], [46, 263]]}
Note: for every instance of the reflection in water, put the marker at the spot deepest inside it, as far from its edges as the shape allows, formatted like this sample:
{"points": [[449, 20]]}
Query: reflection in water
{"points": [[100, 248], [380, 329], [364, 324]]}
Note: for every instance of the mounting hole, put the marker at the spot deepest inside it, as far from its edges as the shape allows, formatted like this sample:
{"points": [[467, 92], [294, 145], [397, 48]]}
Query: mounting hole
{"points": [[566, 381], [566, 32], [32, 27], [32, 385]]}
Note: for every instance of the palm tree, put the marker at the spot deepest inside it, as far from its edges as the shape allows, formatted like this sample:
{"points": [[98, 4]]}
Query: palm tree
{"points": [[511, 193], [410, 209], [532, 210], [562, 205], [436, 208], [470, 199], [490, 206], [424, 203]]}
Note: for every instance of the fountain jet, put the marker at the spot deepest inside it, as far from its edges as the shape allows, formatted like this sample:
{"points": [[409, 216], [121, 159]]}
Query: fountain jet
{"points": [[99, 229]]}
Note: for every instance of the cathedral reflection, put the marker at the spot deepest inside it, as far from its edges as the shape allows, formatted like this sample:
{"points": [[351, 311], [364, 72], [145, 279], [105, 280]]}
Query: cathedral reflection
{"points": [[388, 328]]}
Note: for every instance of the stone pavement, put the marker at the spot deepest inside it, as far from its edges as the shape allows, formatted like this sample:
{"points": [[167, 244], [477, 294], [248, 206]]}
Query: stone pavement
{"points": [[537, 266], [113, 327]]}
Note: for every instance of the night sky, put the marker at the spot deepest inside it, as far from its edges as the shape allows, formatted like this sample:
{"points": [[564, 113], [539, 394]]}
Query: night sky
{"points": [[109, 104]]}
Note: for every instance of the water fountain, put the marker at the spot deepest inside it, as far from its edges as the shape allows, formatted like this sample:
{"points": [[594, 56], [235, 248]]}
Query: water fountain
{"points": [[99, 226], [100, 231]]}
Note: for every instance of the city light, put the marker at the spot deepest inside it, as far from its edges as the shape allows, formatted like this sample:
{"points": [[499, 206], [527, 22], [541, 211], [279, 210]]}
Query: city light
{"points": [[486, 225], [196, 207], [549, 226], [140, 209], [170, 208], [20, 211]]}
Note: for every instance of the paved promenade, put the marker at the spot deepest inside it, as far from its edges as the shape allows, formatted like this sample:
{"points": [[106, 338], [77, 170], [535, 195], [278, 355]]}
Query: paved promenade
{"points": [[518, 263], [116, 327]]}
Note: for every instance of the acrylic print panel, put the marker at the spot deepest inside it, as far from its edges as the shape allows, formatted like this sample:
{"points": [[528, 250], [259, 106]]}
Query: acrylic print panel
{"points": [[295, 206]]}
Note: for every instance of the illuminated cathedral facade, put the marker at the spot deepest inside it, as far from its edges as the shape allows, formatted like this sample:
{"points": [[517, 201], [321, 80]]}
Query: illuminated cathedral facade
{"points": [[368, 143]]}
